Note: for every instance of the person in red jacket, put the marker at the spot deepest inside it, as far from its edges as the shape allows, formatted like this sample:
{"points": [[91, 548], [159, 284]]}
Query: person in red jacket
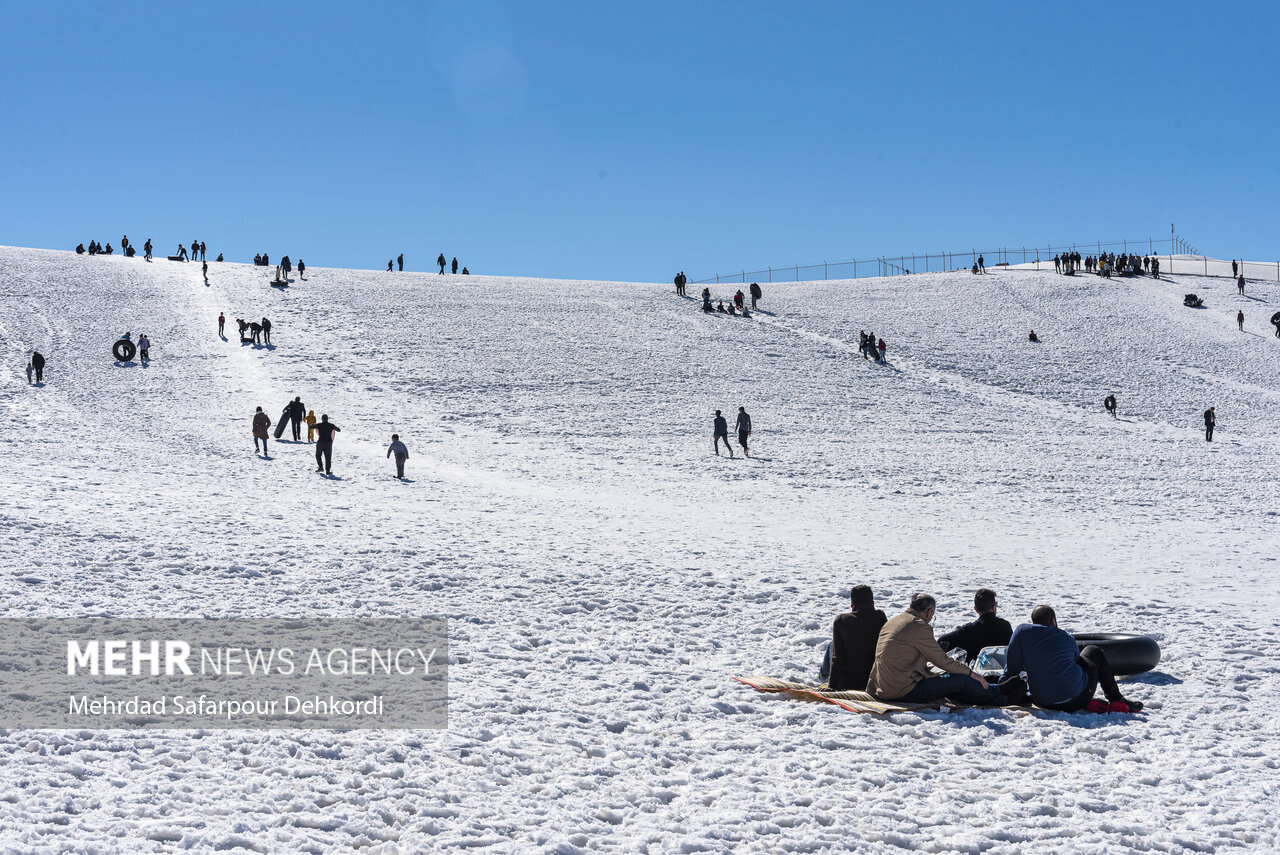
{"points": [[222, 319], [881, 347]]}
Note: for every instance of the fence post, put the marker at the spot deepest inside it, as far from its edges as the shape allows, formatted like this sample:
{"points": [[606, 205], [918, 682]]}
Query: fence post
{"points": [[913, 261], [1126, 246], [770, 274], [855, 268], [1206, 265], [824, 270], [797, 271], [717, 278]]}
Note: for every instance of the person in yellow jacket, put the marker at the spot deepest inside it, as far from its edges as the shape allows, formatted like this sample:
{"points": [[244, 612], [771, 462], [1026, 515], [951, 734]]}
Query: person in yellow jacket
{"points": [[311, 425]]}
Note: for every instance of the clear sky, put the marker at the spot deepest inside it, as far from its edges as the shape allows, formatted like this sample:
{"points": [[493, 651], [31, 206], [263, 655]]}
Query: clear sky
{"points": [[610, 140]]}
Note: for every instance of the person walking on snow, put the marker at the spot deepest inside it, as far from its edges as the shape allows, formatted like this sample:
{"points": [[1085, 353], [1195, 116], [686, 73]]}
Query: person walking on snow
{"points": [[1210, 420], [147, 246], [297, 411], [1234, 269], [1240, 283], [260, 424], [389, 265], [402, 454], [1240, 319], [324, 445], [311, 425], [743, 427], [455, 264], [720, 431], [37, 364], [266, 331], [1109, 404], [222, 320], [440, 261], [302, 268], [204, 268]]}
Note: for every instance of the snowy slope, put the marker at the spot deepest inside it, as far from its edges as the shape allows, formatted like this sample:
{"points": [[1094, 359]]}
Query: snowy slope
{"points": [[605, 575]]}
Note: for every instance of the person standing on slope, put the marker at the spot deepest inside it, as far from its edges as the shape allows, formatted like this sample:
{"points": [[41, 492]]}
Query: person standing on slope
{"points": [[260, 424], [743, 426], [881, 347], [400, 451], [399, 261], [297, 412], [440, 261], [720, 431], [311, 425], [266, 331], [222, 320], [324, 445], [1240, 319], [302, 268], [147, 247], [755, 294], [1234, 269], [1240, 283], [455, 264], [982, 265], [1210, 421]]}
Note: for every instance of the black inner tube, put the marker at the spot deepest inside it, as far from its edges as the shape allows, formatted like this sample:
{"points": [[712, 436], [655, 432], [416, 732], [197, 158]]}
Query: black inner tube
{"points": [[124, 350], [1128, 654]]}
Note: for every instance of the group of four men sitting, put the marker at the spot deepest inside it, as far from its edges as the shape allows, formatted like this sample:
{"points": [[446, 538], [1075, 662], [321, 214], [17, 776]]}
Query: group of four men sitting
{"points": [[890, 658]]}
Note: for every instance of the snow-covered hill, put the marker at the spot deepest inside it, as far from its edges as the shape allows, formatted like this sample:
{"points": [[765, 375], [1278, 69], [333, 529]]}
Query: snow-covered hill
{"points": [[605, 575]]}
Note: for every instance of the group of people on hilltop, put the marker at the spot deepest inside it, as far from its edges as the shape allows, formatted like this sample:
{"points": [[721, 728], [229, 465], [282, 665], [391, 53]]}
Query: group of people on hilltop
{"points": [[737, 305], [890, 658], [440, 261], [1105, 264]]}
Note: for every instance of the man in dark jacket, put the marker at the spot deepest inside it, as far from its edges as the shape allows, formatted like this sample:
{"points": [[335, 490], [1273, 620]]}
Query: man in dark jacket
{"points": [[853, 641], [720, 431], [260, 424], [1210, 421], [324, 445], [987, 631], [756, 293], [1060, 675], [297, 412], [37, 362]]}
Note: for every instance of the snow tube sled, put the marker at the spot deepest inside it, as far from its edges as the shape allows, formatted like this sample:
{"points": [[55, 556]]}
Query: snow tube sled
{"points": [[283, 423], [1128, 654], [1192, 301], [124, 350], [176, 258]]}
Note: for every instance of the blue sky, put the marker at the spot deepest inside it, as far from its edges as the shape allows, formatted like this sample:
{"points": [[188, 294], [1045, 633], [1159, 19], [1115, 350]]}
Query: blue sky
{"points": [[627, 141]]}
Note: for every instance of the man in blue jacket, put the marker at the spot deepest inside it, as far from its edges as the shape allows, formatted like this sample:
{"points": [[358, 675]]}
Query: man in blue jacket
{"points": [[1059, 674]]}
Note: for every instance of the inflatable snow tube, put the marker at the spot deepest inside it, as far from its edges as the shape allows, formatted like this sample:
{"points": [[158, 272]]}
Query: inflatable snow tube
{"points": [[124, 350], [1128, 654]]}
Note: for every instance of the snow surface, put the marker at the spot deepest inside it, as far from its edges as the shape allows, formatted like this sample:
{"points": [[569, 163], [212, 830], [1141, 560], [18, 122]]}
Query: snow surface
{"points": [[605, 575]]}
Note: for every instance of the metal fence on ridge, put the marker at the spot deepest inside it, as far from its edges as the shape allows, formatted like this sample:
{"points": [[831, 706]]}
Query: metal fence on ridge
{"points": [[1176, 256]]}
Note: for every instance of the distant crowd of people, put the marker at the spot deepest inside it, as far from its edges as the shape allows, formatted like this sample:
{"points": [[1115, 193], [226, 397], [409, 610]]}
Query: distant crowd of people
{"points": [[1125, 264]]}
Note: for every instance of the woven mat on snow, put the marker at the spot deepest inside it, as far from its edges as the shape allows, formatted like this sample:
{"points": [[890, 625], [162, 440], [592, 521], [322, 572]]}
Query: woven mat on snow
{"points": [[852, 701]]}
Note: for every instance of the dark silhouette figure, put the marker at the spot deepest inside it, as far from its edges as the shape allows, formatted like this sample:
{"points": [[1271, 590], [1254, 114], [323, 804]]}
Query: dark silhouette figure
{"points": [[37, 363], [1210, 422], [400, 260], [302, 268], [266, 331], [982, 265], [222, 321], [756, 294], [1240, 319], [390, 265], [1240, 283], [455, 264], [1233, 267], [1109, 404], [440, 261], [147, 248], [324, 445]]}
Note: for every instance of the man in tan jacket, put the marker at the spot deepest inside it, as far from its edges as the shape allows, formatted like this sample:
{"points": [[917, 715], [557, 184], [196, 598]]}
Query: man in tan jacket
{"points": [[904, 651]]}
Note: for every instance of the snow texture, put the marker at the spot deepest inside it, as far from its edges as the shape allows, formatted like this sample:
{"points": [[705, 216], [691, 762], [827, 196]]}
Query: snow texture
{"points": [[605, 574]]}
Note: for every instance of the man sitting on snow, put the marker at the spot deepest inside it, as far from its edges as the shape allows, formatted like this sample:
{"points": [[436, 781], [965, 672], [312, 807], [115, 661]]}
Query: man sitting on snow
{"points": [[1059, 674], [905, 650], [987, 631], [853, 641]]}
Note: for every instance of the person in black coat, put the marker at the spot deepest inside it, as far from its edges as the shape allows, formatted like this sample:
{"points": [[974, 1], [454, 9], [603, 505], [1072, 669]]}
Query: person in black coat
{"points": [[987, 631], [853, 641], [37, 363]]}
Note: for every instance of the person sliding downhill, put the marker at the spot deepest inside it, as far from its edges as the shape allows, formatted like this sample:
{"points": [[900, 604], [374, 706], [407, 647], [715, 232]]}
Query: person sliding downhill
{"points": [[721, 432], [1109, 404]]}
